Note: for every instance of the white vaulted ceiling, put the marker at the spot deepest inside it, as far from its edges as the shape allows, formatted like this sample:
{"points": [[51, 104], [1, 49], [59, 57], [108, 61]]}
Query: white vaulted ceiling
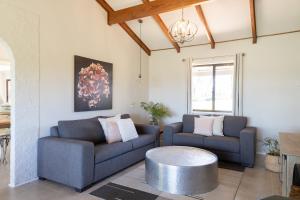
{"points": [[227, 19]]}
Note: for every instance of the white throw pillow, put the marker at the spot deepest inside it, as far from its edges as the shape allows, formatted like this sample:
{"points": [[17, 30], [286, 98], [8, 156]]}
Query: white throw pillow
{"points": [[217, 125], [203, 126], [111, 129], [127, 129]]}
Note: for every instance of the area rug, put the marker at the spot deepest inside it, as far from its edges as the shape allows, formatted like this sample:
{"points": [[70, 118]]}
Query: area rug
{"points": [[112, 191], [231, 166], [132, 186]]}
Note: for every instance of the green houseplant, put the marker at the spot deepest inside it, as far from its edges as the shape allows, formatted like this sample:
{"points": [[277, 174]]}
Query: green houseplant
{"points": [[272, 158], [157, 111]]}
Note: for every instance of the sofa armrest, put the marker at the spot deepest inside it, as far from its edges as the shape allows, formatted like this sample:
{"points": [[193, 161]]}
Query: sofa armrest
{"points": [[149, 129], [67, 161], [169, 130], [248, 146]]}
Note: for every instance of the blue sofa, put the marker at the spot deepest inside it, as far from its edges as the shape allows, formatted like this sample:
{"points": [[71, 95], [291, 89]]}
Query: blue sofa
{"points": [[237, 145], [77, 155]]}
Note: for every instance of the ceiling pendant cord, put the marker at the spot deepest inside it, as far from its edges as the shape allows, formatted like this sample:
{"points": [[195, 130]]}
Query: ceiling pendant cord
{"points": [[140, 72]]}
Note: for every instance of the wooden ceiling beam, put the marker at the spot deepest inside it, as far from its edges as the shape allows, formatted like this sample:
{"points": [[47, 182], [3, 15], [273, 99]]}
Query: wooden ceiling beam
{"points": [[205, 24], [150, 9], [135, 38], [164, 29], [253, 21], [128, 30], [166, 32], [105, 6]]}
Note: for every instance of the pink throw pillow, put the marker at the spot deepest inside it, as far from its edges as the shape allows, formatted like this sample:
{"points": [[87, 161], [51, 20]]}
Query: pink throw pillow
{"points": [[113, 133], [111, 129], [203, 126]]}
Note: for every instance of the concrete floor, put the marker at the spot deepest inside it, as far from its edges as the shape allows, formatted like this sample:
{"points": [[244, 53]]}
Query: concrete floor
{"points": [[255, 184]]}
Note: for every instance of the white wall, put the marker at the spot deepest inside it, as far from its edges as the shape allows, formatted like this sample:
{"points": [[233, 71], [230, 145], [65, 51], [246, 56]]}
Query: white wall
{"points": [[64, 29], [271, 81], [3, 55], [79, 27], [19, 37]]}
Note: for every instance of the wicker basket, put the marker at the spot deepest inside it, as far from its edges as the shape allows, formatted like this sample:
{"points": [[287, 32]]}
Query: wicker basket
{"points": [[272, 163]]}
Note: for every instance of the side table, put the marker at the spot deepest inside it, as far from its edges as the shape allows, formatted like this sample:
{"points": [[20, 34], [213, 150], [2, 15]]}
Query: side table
{"points": [[290, 155]]}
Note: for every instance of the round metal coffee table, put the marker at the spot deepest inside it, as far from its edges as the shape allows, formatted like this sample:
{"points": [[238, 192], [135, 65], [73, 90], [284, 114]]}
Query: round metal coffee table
{"points": [[181, 170]]}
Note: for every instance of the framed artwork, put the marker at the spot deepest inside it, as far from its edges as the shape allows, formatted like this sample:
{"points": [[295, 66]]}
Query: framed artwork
{"points": [[93, 84]]}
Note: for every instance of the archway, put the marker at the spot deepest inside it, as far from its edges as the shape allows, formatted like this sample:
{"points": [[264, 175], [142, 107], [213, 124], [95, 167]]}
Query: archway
{"points": [[20, 33], [7, 109]]}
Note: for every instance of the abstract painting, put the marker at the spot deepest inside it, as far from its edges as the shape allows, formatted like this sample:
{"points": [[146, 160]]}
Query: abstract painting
{"points": [[93, 85]]}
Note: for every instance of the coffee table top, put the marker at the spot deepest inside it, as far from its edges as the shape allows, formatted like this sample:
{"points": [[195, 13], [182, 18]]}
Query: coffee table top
{"points": [[181, 156]]}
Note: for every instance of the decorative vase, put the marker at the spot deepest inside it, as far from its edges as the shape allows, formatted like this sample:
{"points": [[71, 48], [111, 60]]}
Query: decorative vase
{"points": [[272, 163]]}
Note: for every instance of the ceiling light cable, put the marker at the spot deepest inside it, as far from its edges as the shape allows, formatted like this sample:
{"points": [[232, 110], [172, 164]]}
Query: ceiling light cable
{"points": [[140, 73]]}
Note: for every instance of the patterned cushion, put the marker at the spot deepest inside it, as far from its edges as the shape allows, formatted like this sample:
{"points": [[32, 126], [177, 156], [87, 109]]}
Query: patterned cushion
{"points": [[111, 129]]}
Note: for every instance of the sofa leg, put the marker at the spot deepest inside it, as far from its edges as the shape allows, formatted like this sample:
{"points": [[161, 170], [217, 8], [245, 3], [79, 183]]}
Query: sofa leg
{"points": [[83, 189], [79, 190]]}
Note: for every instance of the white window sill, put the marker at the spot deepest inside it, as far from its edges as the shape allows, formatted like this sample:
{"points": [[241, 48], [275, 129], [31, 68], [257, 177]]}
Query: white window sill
{"points": [[211, 113]]}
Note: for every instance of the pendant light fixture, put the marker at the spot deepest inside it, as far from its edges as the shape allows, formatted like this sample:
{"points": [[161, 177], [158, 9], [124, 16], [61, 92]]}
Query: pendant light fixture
{"points": [[140, 69], [183, 30]]}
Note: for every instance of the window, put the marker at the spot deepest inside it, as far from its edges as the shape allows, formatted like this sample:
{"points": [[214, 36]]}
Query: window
{"points": [[212, 88]]}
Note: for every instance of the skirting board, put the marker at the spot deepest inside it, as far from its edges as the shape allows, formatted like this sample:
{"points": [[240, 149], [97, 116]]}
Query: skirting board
{"points": [[13, 185]]}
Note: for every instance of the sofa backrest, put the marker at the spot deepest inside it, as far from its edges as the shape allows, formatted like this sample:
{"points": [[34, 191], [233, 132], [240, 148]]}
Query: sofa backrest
{"points": [[54, 131], [188, 123], [232, 125], [82, 129]]}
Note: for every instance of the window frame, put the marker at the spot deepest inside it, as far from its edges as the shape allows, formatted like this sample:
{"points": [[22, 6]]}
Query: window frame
{"points": [[213, 111]]}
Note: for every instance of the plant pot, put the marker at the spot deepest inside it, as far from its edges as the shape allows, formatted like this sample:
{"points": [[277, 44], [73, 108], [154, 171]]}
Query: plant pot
{"points": [[154, 121], [272, 163]]}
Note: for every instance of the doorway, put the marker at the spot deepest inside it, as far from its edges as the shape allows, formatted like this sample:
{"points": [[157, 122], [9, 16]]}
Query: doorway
{"points": [[6, 61]]}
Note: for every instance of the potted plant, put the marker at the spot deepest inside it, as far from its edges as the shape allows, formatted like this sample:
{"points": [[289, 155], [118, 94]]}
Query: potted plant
{"points": [[157, 111], [273, 154]]}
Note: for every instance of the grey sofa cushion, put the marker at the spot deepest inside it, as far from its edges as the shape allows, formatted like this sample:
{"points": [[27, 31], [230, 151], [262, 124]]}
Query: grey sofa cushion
{"points": [[54, 131], [188, 123], [143, 140], [107, 151], [188, 139], [233, 125], [83, 129], [223, 143]]}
